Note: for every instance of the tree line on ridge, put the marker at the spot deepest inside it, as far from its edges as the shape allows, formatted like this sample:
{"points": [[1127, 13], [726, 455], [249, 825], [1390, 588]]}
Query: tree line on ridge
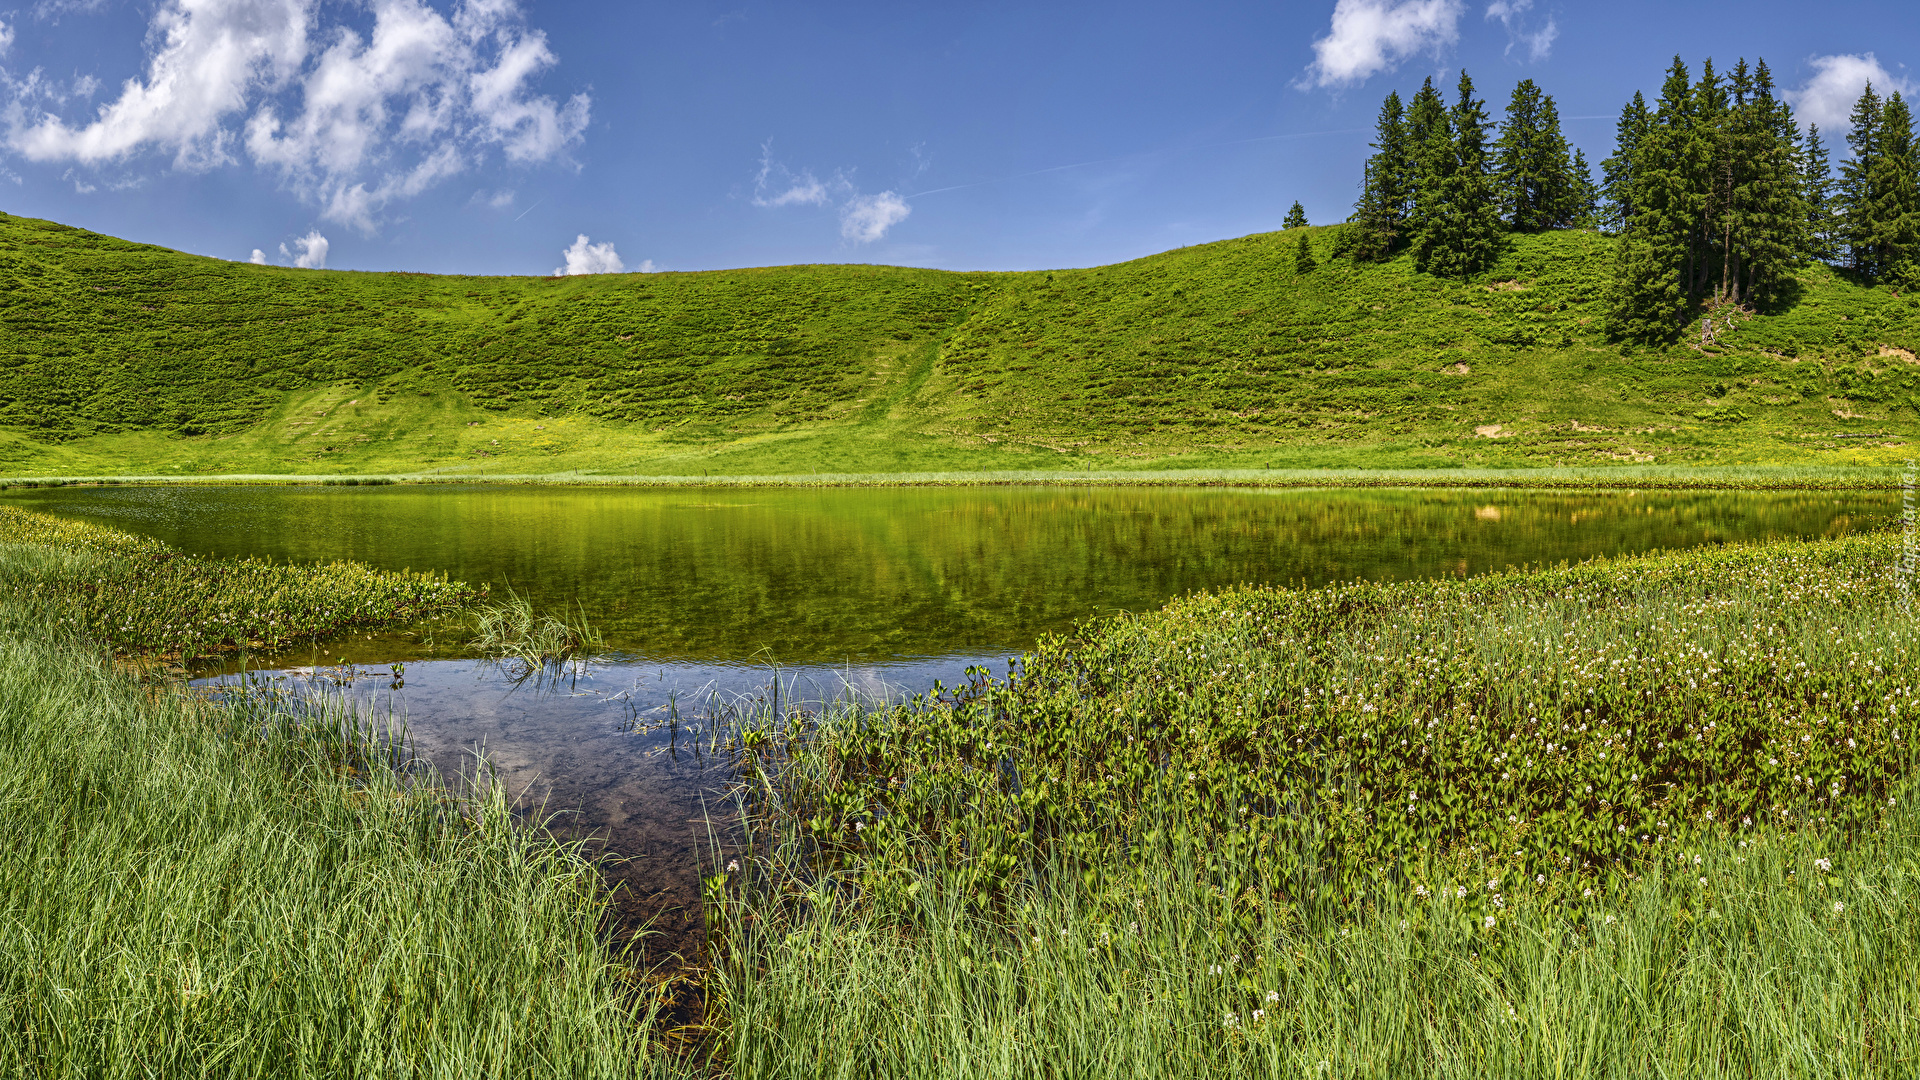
{"points": [[1714, 192]]}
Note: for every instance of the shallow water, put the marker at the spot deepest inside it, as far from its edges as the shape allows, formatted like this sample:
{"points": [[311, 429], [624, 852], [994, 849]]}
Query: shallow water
{"points": [[697, 592]]}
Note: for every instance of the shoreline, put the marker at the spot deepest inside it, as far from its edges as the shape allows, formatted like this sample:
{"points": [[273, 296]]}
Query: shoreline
{"points": [[1706, 478]]}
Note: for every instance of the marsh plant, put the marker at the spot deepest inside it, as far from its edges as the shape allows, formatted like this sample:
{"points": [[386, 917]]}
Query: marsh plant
{"points": [[1619, 818], [511, 632], [139, 597]]}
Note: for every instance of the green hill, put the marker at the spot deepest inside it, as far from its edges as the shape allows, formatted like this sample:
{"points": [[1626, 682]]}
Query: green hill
{"points": [[127, 358]]}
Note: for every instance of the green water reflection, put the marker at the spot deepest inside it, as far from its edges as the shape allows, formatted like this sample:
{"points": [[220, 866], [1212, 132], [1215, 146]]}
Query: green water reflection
{"points": [[812, 576]]}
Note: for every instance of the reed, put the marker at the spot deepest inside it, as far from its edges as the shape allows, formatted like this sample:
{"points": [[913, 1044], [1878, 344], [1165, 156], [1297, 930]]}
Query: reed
{"points": [[511, 632]]}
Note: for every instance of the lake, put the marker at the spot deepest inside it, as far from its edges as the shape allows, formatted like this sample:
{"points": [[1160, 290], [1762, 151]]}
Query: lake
{"points": [[703, 591]]}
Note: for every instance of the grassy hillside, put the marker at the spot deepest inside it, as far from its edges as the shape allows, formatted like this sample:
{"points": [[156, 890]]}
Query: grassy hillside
{"points": [[123, 357]]}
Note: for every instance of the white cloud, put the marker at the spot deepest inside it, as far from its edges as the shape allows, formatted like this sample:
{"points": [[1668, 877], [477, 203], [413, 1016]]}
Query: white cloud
{"points": [[258, 258], [1828, 96], [774, 185], [585, 257], [313, 251], [866, 218], [863, 218], [211, 54], [351, 124], [80, 187], [646, 267], [1371, 36], [6, 37], [1511, 14]]}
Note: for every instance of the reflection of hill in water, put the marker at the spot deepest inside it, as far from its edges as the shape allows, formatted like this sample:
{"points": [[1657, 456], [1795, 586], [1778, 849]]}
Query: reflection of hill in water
{"points": [[823, 575]]}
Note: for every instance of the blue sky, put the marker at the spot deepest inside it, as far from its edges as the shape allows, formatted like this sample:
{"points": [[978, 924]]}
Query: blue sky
{"points": [[488, 136]]}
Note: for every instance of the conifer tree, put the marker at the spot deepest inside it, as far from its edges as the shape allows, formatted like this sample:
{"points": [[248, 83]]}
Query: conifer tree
{"points": [[1648, 301], [1535, 173], [1816, 185], [1585, 212], [1456, 225], [1713, 200], [1758, 223], [1618, 171], [1897, 226], [1858, 200], [1303, 262], [1387, 192], [1296, 217]]}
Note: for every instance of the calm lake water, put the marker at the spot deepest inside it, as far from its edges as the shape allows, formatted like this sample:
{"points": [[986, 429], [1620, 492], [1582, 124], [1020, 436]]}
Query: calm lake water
{"points": [[699, 591]]}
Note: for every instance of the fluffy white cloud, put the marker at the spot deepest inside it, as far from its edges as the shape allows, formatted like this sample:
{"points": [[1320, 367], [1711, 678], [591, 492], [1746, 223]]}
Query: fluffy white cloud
{"points": [[866, 218], [6, 37], [1371, 36], [258, 258], [209, 56], [351, 124], [1511, 13], [313, 251], [1827, 97], [585, 257]]}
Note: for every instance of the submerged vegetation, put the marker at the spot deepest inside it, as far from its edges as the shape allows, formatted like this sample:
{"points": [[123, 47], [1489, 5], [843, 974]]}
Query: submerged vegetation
{"points": [[140, 597]]}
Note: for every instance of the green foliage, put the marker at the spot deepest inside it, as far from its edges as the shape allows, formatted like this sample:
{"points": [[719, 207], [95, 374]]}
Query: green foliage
{"points": [[1303, 260], [263, 887], [1216, 355], [1570, 723], [1878, 202], [1539, 182], [511, 631], [1455, 222], [1652, 816], [1296, 217], [140, 597]]}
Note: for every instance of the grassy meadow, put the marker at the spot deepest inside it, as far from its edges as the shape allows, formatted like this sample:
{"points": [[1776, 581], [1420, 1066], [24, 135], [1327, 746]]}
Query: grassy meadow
{"points": [[119, 358]]}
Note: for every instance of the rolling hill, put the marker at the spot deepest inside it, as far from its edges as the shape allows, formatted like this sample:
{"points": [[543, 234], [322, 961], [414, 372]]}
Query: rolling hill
{"points": [[120, 357]]}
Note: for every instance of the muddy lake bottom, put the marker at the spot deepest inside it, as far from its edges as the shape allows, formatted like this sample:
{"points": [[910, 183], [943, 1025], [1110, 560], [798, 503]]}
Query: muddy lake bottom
{"points": [[616, 753]]}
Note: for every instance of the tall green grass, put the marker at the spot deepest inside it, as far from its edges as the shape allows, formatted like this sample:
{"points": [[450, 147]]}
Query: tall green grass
{"points": [[262, 887], [512, 633]]}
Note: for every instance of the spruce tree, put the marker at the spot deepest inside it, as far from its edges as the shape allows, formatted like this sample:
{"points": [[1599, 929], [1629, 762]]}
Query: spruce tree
{"points": [[1457, 227], [1585, 207], [1617, 172], [1303, 262], [1534, 173], [1762, 231], [1858, 200], [1296, 217], [1649, 300], [1379, 220], [1816, 185], [1896, 240]]}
